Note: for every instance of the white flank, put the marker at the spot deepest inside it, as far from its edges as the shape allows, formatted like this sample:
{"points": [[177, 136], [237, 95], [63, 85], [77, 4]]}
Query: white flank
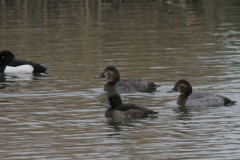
{"points": [[19, 69]]}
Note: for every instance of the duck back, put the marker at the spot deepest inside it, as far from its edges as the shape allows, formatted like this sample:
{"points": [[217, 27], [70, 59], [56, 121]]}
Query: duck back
{"points": [[131, 113], [203, 98], [129, 85]]}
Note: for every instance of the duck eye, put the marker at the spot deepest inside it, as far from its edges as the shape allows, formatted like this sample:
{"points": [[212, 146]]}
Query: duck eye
{"points": [[107, 70], [2, 56]]}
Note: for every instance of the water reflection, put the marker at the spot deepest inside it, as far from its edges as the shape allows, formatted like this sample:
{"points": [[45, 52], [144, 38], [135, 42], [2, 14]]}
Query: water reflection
{"points": [[8, 80], [16, 77], [117, 122], [187, 113], [58, 115], [184, 113]]}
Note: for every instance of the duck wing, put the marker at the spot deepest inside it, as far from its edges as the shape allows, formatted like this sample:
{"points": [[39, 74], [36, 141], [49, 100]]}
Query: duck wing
{"points": [[210, 101], [126, 107], [18, 62], [201, 94], [134, 85]]}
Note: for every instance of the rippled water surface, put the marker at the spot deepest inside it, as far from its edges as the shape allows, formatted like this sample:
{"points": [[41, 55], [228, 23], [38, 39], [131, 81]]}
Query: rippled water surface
{"points": [[58, 115]]}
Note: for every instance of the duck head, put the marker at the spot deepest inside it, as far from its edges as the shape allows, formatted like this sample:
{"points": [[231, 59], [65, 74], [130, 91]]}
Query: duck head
{"points": [[115, 100], [182, 86], [6, 57], [111, 73]]}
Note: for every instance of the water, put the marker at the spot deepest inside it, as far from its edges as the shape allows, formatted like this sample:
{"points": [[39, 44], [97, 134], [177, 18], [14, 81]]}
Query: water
{"points": [[57, 115]]}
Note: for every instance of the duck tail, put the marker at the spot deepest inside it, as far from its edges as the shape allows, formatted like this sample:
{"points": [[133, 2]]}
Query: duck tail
{"points": [[232, 103], [152, 112], [153, 86], [156, 86], [228, 102]]}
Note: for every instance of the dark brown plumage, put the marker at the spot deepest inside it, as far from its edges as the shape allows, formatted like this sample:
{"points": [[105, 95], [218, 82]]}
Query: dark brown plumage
{"points": [[118, 109]]}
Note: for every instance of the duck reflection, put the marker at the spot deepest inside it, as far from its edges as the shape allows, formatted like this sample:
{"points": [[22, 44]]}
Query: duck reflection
{"points": [[17, 77], [183, 113], [119, 124], [8, 79], [115, 124]]}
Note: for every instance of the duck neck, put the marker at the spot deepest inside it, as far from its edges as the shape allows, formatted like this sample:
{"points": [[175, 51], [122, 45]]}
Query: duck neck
{"points": [[183, 97], [115, 78]]}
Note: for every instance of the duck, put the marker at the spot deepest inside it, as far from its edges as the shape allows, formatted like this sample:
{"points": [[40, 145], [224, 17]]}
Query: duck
{"points": [[198, 98], [8, 64], [127, 85], [120, 110]]}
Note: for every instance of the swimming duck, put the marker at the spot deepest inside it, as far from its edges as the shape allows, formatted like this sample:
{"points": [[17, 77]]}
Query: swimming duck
{"points": [[198, 98], [8, 64], [117, 85], [118, 109]]}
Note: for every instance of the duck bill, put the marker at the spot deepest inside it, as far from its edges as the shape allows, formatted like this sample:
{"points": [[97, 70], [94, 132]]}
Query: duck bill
{"points": [[100, 76], [174, 89], [106, 104]]}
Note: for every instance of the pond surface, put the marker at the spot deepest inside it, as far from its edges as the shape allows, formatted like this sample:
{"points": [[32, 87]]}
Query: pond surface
{"points": [[58, 115]]}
